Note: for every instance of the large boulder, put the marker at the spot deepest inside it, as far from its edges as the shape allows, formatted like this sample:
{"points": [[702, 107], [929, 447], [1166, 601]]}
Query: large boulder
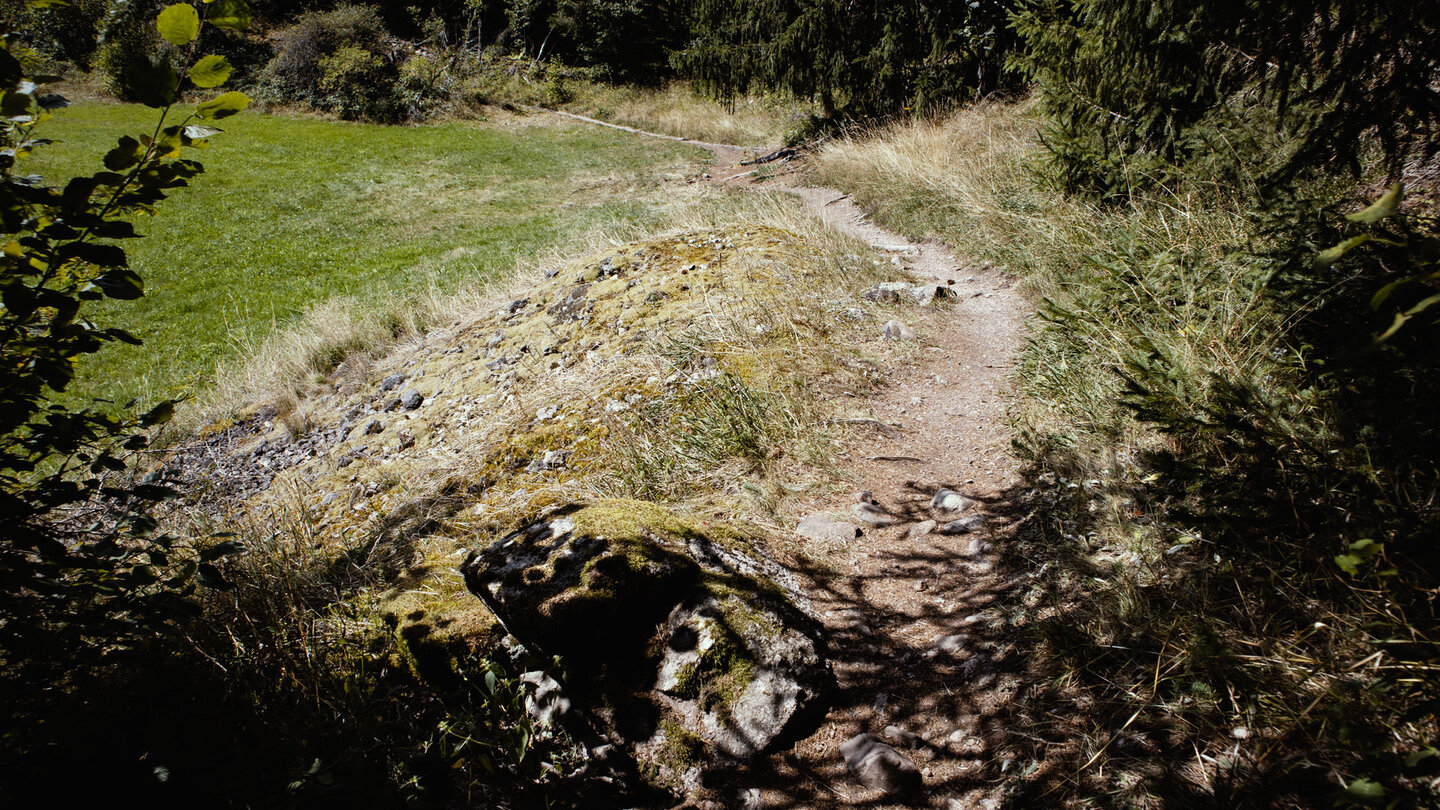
{"points": [[684, 641]]}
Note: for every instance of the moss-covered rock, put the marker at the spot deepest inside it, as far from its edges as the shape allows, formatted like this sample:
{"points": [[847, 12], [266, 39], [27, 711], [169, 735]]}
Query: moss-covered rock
{"points": [[671, 631]]}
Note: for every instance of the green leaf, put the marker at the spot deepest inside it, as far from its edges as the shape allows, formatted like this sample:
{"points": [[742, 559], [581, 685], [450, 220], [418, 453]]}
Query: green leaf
{"points": [[185, 571], [1395, 325], [19, 299], [210, 71], [195, 132], [1422, 306], [178, 24], [10, 70], [211, 577], [115, 229], [223, 106], [1365, 791], [1334, 254], [98, 255], [122, 157], [168, 144], [152, 81], [1381, 208], [222, 549], [15, 103], [123, 284], [232, 14], [1384, 292], [107, 463], [1417, 757], [1365, 547], [159, 415], [1360, 551]]}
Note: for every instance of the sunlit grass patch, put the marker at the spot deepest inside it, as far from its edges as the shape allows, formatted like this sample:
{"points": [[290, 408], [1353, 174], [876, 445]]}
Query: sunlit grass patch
{"points": [[294, 211]]}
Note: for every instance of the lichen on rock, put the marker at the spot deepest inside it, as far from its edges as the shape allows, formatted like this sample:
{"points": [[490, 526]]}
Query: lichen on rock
{"points": [[669, 629]]}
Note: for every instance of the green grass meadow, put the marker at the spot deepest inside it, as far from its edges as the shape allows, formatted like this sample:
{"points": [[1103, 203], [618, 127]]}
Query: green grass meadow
{"points": [[293, 211]]}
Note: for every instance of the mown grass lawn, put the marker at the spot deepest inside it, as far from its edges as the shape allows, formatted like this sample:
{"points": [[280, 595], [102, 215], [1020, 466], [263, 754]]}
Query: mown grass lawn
{"points": [[292, 211]]}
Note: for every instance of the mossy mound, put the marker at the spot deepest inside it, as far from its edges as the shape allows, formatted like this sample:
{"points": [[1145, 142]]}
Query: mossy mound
{"points": [[672, 368], [670, 629]]}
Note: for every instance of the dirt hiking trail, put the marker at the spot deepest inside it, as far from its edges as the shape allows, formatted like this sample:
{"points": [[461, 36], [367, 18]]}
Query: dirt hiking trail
{"points": [[915, 617]]}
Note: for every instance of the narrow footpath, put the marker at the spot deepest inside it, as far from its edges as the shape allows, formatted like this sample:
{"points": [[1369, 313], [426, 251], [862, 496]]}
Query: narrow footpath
{"points": [[918, 639]]}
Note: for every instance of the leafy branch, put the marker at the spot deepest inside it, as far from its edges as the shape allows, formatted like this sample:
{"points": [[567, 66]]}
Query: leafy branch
{"points": [[84, 566]]}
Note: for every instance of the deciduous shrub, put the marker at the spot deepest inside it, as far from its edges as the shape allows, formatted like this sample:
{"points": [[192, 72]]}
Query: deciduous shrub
{"points": [[357, 83], [337, 61], [64, 33]]}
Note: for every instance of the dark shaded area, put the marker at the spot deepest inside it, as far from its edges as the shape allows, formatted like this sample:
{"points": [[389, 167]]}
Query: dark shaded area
{"points": [[886, 679]]}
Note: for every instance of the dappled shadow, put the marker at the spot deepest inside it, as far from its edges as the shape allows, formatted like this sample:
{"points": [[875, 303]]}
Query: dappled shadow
{"points": [[939, 671]]}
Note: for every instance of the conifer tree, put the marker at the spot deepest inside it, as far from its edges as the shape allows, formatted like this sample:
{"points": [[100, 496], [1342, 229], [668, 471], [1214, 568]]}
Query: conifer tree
{"points": [[860, 58], [1135, 88]]}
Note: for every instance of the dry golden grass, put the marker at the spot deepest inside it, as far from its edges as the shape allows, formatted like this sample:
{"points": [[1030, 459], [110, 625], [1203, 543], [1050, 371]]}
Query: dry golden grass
{"points": [[968, 180], [678, 110]]}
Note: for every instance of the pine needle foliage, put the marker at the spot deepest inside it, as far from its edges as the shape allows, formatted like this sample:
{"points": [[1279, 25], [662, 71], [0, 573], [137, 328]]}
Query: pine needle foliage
{"points": [[857, 58], [1251, 88]]}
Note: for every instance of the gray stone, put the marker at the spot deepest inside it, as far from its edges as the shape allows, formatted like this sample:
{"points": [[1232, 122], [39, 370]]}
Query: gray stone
{"points": [[921, 529], [704, 639], [573, 305], [924, 294], [391, 381], [895, 330], [547, 412], [901, 737], [952, 644], [552, 460], [873, 515], [410, 399], [374, 426], [964, 525], [546, 699], [948, 500], [880, 295], [879, 765], [823, 528]]}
